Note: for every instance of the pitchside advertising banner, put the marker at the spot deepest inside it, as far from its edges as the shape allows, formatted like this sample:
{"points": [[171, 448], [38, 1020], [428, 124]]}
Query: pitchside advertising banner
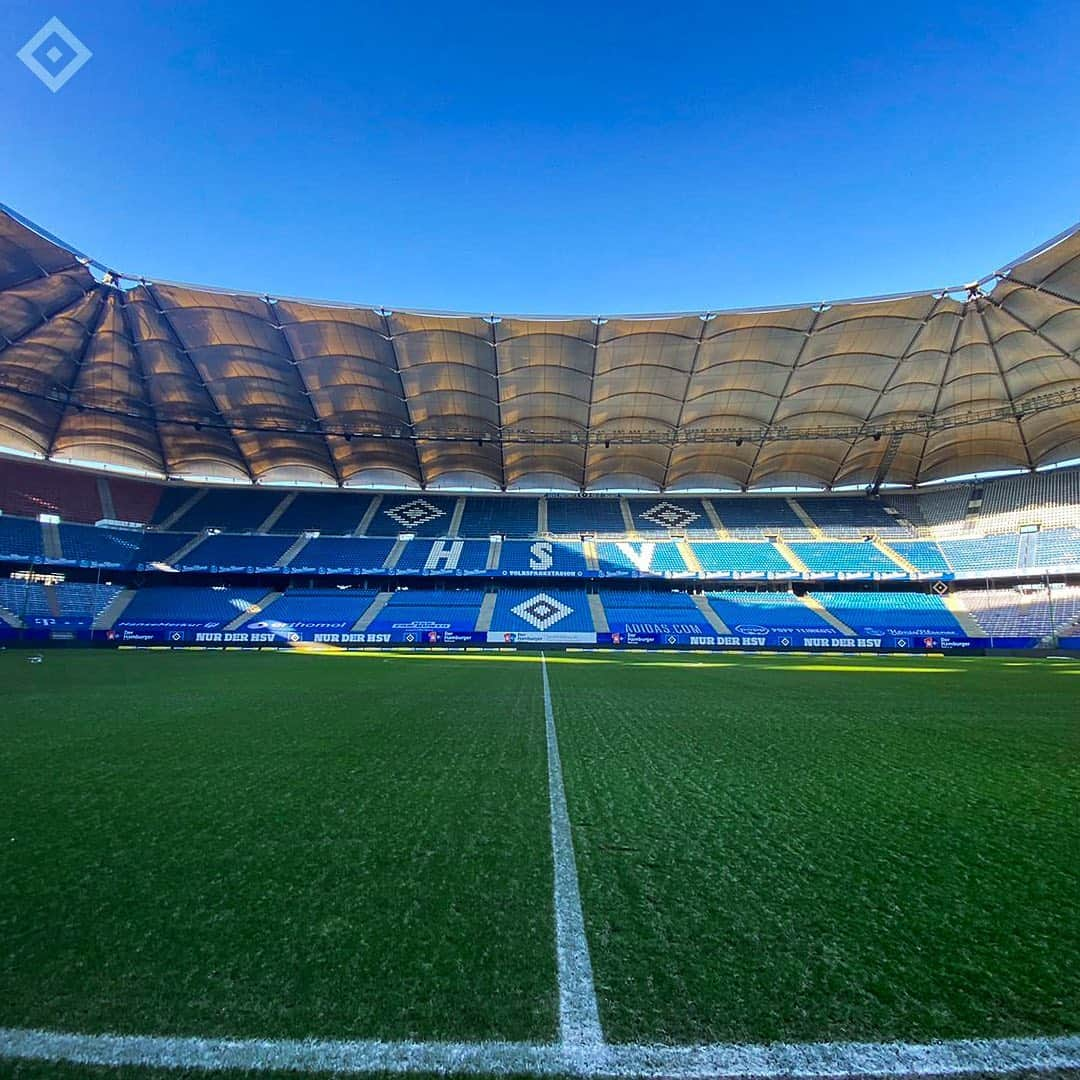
{"points": [[771, 639]]}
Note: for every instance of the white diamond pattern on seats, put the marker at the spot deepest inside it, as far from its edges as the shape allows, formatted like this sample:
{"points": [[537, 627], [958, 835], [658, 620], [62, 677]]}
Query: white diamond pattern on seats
{"points": [[669, 516], [416, 512], [541, 611]]}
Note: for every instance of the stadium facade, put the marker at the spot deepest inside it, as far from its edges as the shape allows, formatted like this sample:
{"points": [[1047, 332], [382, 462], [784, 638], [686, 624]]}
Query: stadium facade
{"points": [[193, 466]]}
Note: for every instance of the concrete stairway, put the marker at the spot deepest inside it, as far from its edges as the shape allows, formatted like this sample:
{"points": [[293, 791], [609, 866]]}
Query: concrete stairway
{"points": [[599, 615], [274, 516], [805, 518], [688, 556], [714, 519], [50, 540], [592, 561], [259, 605], [785, 549], [373, 609], [964, 617], [896, 557], [369, 516], [395, 554], [709, 614], [186, 549], [454, 529], [487, 612], [181, 510], [107, 619], [828, 616], [293, 550]]}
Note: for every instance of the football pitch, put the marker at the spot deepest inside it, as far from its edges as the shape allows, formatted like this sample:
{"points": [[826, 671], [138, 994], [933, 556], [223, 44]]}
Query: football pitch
{"points": [[587, 864]]}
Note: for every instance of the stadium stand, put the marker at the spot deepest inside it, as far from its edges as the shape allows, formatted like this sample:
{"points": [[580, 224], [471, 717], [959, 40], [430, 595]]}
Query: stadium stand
{"points": [[330, 513], [850, 516], [314, 609], [172, 500], [547, 609], [91, 545], [649, 557], [978, 556], [454, 610], [178, 607], [933, 508], [747, 612], [837, 557], [81, 602], [24, 599], [28, 489], [1024, 611], [487, 516], [156, 548], [575, 516], [231, 510], [652, 612], [875, 614], [535, 557], [230, 552], [341, 555], [924, 555], [443, 557], [659, 517], [420, 514], [20, 539], [740, 557], [1049, 499], [133, 500], [1055, 547], [756, 515]]}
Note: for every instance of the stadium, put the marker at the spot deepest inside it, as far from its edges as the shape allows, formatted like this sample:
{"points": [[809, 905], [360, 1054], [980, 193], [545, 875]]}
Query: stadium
{"points": [[671, 695]]}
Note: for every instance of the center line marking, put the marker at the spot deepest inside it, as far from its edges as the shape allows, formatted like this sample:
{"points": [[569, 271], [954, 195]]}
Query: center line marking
{"points": [[579, 1015]]}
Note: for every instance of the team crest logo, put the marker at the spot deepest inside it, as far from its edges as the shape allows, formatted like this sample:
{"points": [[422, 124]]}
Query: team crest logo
{"points": [[416, 512], [669, 516], [541, 611]]}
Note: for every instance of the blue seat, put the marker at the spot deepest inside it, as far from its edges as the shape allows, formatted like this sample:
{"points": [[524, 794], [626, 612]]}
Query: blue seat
{"points": [[574, 516], [507, 516], [639, 558], [890, 613]]}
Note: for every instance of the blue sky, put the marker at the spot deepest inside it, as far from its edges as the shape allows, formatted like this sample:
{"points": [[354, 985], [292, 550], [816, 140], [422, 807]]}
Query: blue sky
{"points": [[551, 157]]}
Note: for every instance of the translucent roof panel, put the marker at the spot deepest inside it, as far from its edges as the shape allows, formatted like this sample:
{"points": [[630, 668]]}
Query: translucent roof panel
{"points": [[184, 381]]}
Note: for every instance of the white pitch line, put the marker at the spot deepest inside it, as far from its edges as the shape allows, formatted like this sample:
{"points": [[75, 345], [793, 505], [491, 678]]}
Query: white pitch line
{"points": [[579, 1014], [802, 1060]]}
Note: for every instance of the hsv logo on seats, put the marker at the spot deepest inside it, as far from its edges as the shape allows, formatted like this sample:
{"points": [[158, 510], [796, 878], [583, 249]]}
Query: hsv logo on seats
{"points": [[416, 512], [669, 516], [541, 611]]}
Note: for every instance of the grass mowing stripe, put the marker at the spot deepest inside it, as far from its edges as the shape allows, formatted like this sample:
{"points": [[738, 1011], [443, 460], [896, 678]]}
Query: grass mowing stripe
{"points": [[579, 1017], [985, 1057]]}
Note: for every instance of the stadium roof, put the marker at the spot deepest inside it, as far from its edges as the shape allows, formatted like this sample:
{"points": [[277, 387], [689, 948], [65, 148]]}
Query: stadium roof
{"points": [[181, 381]]}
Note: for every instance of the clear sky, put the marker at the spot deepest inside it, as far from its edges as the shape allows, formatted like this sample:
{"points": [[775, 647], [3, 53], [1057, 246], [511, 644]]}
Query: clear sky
{"points": [[560, 158]]}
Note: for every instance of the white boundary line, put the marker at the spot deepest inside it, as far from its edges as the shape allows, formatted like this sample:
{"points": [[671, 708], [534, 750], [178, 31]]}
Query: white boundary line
{"points": [[579, 1014], [581, 1050], [999, 1056]]}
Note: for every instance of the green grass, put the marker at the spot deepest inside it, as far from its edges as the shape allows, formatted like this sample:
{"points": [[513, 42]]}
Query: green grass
{"points": [[274, 845], [793, 849], [769, 848]]}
